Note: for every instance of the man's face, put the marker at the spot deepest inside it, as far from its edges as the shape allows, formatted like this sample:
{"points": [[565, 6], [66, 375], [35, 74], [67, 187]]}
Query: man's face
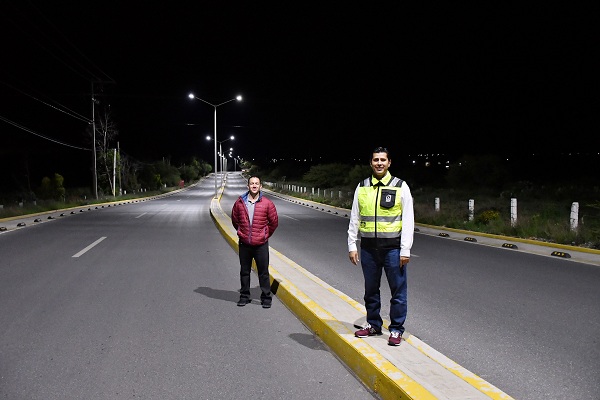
{"points": [[380, 164], [254, 185]]}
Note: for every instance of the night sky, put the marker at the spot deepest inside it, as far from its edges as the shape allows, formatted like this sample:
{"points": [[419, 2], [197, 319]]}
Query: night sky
{"points": [[325, 83]]}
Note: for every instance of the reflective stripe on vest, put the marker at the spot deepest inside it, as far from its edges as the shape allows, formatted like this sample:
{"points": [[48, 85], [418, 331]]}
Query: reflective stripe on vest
{"points": [[377, 221]]}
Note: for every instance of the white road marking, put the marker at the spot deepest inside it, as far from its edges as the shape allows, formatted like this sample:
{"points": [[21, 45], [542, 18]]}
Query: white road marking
{"points": [[89, 247], [141, 215]]}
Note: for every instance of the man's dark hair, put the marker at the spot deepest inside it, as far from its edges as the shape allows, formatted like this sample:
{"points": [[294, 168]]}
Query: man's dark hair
{"points": [[254, 176], [381, 150]]}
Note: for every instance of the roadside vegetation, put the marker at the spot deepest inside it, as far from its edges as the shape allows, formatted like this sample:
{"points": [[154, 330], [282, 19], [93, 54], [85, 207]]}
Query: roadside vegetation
{"points": [[545, 186], [544, 201], [141, 180], [442, 195], [41, 206]]}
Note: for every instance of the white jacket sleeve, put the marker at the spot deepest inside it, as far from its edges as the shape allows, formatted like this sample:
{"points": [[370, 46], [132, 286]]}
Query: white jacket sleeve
{"points": [[354, 221], [408, 221]]}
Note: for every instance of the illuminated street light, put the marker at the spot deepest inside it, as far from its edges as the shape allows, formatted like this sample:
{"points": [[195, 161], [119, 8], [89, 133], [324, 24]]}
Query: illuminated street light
{"points": [[236, 159], [225, 159], [222, 156], [221, 148], [238, 98]]}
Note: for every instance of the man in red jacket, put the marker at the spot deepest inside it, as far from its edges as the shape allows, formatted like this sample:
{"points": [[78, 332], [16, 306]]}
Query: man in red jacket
{"points": [[255, 219]]}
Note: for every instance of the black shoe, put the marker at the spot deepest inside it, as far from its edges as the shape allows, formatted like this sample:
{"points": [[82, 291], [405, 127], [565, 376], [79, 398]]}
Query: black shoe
{"points": [[266, 304], [243, 301]]}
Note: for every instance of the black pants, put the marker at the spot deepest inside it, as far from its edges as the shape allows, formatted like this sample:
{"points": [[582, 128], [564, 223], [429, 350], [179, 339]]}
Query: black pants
{"points": [[260, 255]]}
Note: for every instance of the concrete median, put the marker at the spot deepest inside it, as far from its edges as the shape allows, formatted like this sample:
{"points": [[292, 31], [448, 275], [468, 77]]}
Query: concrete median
{"points": [[411, 371]]}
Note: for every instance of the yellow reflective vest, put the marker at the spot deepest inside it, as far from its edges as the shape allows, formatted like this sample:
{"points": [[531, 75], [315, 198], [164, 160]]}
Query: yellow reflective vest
{"points": [[380, 213]]}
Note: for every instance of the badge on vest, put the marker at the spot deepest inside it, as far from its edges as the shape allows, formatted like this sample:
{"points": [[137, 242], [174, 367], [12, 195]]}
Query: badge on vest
{"points": [[388, 198]]}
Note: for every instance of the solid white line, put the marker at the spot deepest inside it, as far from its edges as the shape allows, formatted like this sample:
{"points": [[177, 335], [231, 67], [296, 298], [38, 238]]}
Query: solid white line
{"points": [[89, 247], [141, 215], [287, 216]]}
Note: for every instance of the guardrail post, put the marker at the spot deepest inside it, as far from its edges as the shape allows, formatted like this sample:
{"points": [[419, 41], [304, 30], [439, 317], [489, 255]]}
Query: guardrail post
{"points": [[471, 209], [437, 204], [513, 212], [574, 215]]}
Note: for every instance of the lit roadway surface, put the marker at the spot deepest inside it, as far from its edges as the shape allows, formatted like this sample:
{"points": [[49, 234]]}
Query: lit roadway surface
{"points": [[149, 312], [527, 324], [139, 301]]}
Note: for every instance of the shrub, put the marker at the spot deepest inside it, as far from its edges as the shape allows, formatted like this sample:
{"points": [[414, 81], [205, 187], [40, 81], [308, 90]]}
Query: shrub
{"points": [[486, 216]]}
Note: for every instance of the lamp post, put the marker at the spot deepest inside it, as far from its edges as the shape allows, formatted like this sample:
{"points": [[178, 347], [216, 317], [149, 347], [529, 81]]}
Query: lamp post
{"points": [[238, 98], [221, 155], [225, 159], [235, 162], [95, 180]]}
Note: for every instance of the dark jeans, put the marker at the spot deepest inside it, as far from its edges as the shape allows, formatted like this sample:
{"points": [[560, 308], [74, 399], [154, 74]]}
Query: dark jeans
{"points": [[260, 255], [373, 262]]}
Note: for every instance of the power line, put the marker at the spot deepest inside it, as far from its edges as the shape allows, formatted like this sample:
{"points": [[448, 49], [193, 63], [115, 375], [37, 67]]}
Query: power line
{"points": [[8, 121], [64, 108]]}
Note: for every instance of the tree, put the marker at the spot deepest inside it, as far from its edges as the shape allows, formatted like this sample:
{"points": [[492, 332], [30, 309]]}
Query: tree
{"points": [[52, 188], [480, 171], [155, 176], [327, 175], [190, 172], [358, 173], [106, 134], [129, 171]]}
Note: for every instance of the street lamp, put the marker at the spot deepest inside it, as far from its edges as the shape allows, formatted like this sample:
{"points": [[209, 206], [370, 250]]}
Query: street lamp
{"points": [[221, 149], [238, 98], [225, 159], [235, 162], [221, 155]]}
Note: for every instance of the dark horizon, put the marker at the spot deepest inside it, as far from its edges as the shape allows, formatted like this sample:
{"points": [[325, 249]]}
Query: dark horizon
{"points": [[543, 167], [326, 83]]}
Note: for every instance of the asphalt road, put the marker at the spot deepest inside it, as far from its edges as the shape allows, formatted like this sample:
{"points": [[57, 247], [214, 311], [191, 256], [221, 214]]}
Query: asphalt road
{"points": [[527, 323], [139, 301], [124, 323]]}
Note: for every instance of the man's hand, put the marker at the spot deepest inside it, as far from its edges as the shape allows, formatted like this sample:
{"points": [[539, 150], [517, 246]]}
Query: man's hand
{"points": [[353, 255], [404, 261]]}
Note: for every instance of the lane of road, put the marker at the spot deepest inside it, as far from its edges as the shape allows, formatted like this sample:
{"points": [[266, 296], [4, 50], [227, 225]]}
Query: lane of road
{"points": [[148, 312], [527, 323]]}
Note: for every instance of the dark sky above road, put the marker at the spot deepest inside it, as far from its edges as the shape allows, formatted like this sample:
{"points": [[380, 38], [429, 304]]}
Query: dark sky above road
{"points": [[320, 81]]}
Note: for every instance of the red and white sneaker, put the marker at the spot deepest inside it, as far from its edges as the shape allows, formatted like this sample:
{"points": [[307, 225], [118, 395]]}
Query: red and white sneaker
{"points": [[368, 330], [395, 338]]}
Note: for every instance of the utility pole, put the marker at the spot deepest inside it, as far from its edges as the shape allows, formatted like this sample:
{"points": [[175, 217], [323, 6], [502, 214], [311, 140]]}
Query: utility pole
{"points": [[114, 172], [94, 102], [95, 180], [120, 168]]}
